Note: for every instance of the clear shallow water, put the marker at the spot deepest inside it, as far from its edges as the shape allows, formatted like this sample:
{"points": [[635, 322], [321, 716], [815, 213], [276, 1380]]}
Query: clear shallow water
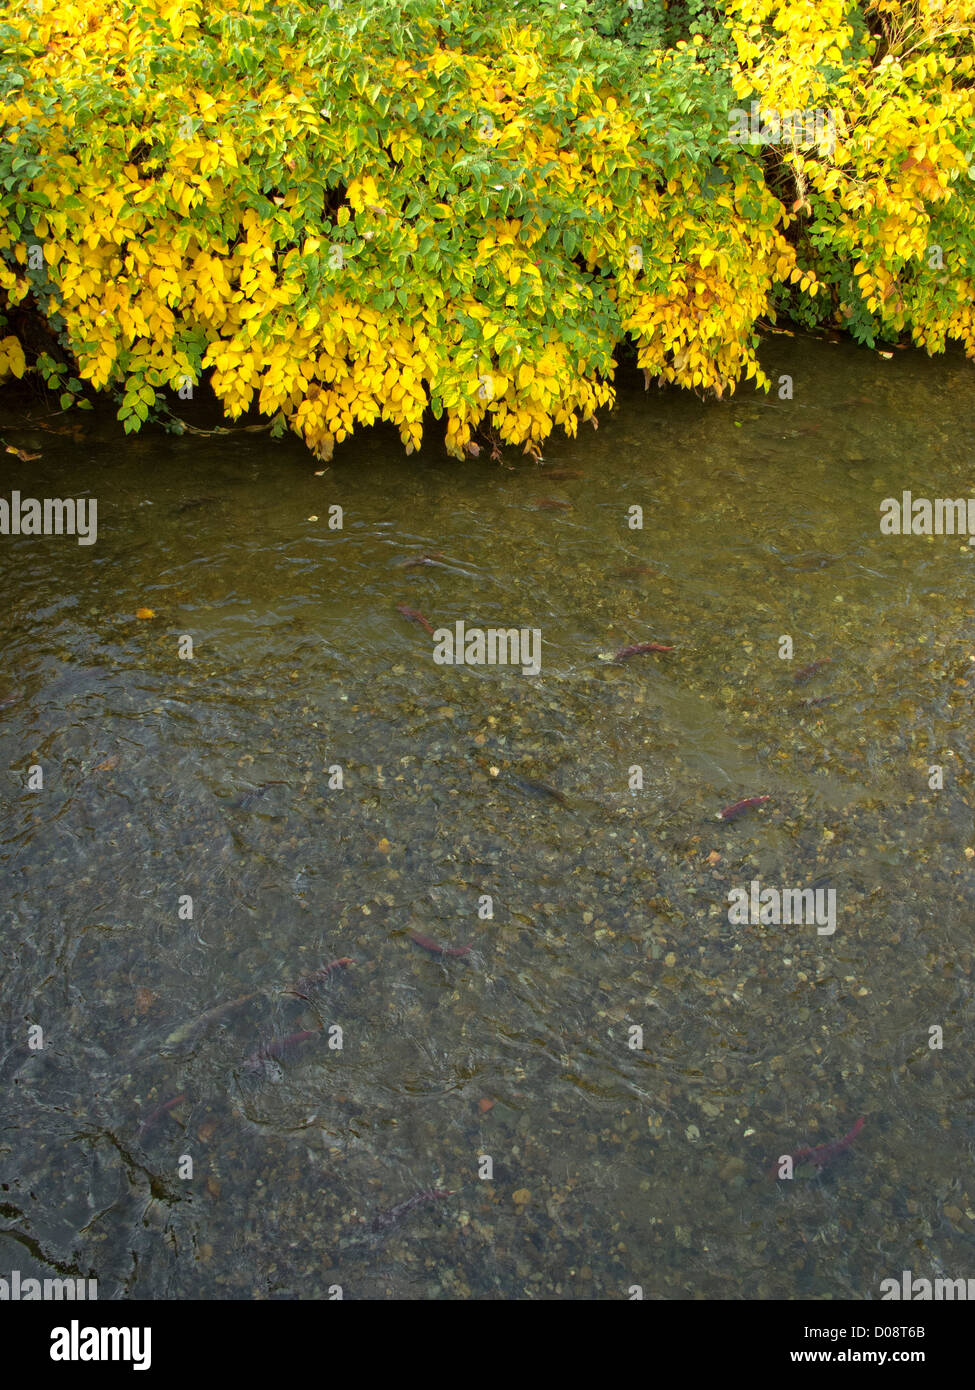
{"points": [[611, 1166]]}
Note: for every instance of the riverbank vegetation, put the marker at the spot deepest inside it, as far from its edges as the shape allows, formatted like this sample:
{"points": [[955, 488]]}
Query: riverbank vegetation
{"points": [[458, 211]]}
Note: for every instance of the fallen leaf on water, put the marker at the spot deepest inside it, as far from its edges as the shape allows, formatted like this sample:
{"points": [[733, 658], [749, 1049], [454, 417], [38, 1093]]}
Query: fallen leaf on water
{"points": [[485, 1105], [145, 613], [22, 454]]}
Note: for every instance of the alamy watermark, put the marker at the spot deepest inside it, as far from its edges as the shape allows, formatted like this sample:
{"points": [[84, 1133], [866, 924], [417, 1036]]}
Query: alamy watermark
{"points": [[920, 516], [760, 126], [52, 516], [76, 1343], [19, 1290], [758, 906], [493, 646], [926, 1290]]}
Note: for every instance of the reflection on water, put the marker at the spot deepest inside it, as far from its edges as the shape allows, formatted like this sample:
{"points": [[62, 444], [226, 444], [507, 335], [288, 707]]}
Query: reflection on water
{"points": [[311, 785]]}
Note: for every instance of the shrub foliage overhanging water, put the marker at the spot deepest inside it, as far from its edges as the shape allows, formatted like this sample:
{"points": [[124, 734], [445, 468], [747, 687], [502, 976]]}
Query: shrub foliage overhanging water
{"points": [[356, 210]]}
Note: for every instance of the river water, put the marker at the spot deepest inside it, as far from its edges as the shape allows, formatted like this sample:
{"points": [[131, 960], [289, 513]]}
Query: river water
{"points": [[311, 785]]}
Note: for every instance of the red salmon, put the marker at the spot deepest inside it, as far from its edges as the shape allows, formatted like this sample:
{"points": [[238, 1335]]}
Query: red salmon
{"points": [[414, 616], [393, 1215], [430, 945], [822, 1155], [737, 807], [807, 672], [639, 648], [278, 1047], [318, 977], [156, 1115]]}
